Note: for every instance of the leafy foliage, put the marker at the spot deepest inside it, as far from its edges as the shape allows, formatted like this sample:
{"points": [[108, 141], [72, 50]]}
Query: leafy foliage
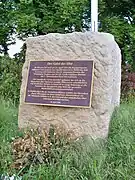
{"points": [[38, 17], [10, 78], [7, 26], [117, 18], [128, 82]]}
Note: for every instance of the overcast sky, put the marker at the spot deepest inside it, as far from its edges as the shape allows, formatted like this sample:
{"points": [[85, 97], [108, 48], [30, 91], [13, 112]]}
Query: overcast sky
{"points": [[15, 48]]}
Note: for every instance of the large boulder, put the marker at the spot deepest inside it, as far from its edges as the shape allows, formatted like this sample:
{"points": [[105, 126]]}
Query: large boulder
{"points": [[104, 51]]}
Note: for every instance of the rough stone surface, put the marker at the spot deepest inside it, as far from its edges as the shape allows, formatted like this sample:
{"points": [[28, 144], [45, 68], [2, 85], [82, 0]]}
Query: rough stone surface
{"points": [[104, 51]]}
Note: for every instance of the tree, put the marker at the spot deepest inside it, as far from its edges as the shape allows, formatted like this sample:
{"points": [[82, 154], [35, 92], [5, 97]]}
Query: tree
{"points": [[39, 17], [7, 26], [117, 17]]}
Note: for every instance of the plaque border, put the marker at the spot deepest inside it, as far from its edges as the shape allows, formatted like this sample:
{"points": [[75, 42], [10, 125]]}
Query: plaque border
{"points": [[55, 105]]}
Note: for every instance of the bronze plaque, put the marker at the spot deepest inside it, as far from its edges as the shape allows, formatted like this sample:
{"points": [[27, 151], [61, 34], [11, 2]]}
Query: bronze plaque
{"points": [[60, 83]]}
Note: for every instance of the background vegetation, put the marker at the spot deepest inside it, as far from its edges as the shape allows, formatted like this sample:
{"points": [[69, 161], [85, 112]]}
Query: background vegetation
{"points": [[24, 18], [38, 17]]}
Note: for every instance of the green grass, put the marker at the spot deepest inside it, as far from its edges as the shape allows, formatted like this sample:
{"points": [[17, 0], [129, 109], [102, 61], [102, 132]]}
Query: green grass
{"points": [[8, 131], [84, 160]]}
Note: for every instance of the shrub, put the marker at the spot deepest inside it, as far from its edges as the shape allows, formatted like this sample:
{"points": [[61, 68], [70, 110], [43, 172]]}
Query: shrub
{"points": [[39, 147], [128, 82], [10, 78]]}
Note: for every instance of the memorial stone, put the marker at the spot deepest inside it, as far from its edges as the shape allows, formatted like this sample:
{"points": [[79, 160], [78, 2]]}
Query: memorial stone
{"points": [[60, 87]]}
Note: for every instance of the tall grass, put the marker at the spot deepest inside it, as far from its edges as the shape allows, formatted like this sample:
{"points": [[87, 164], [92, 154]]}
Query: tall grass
{"points": [[83, 160], [8, 131]]}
